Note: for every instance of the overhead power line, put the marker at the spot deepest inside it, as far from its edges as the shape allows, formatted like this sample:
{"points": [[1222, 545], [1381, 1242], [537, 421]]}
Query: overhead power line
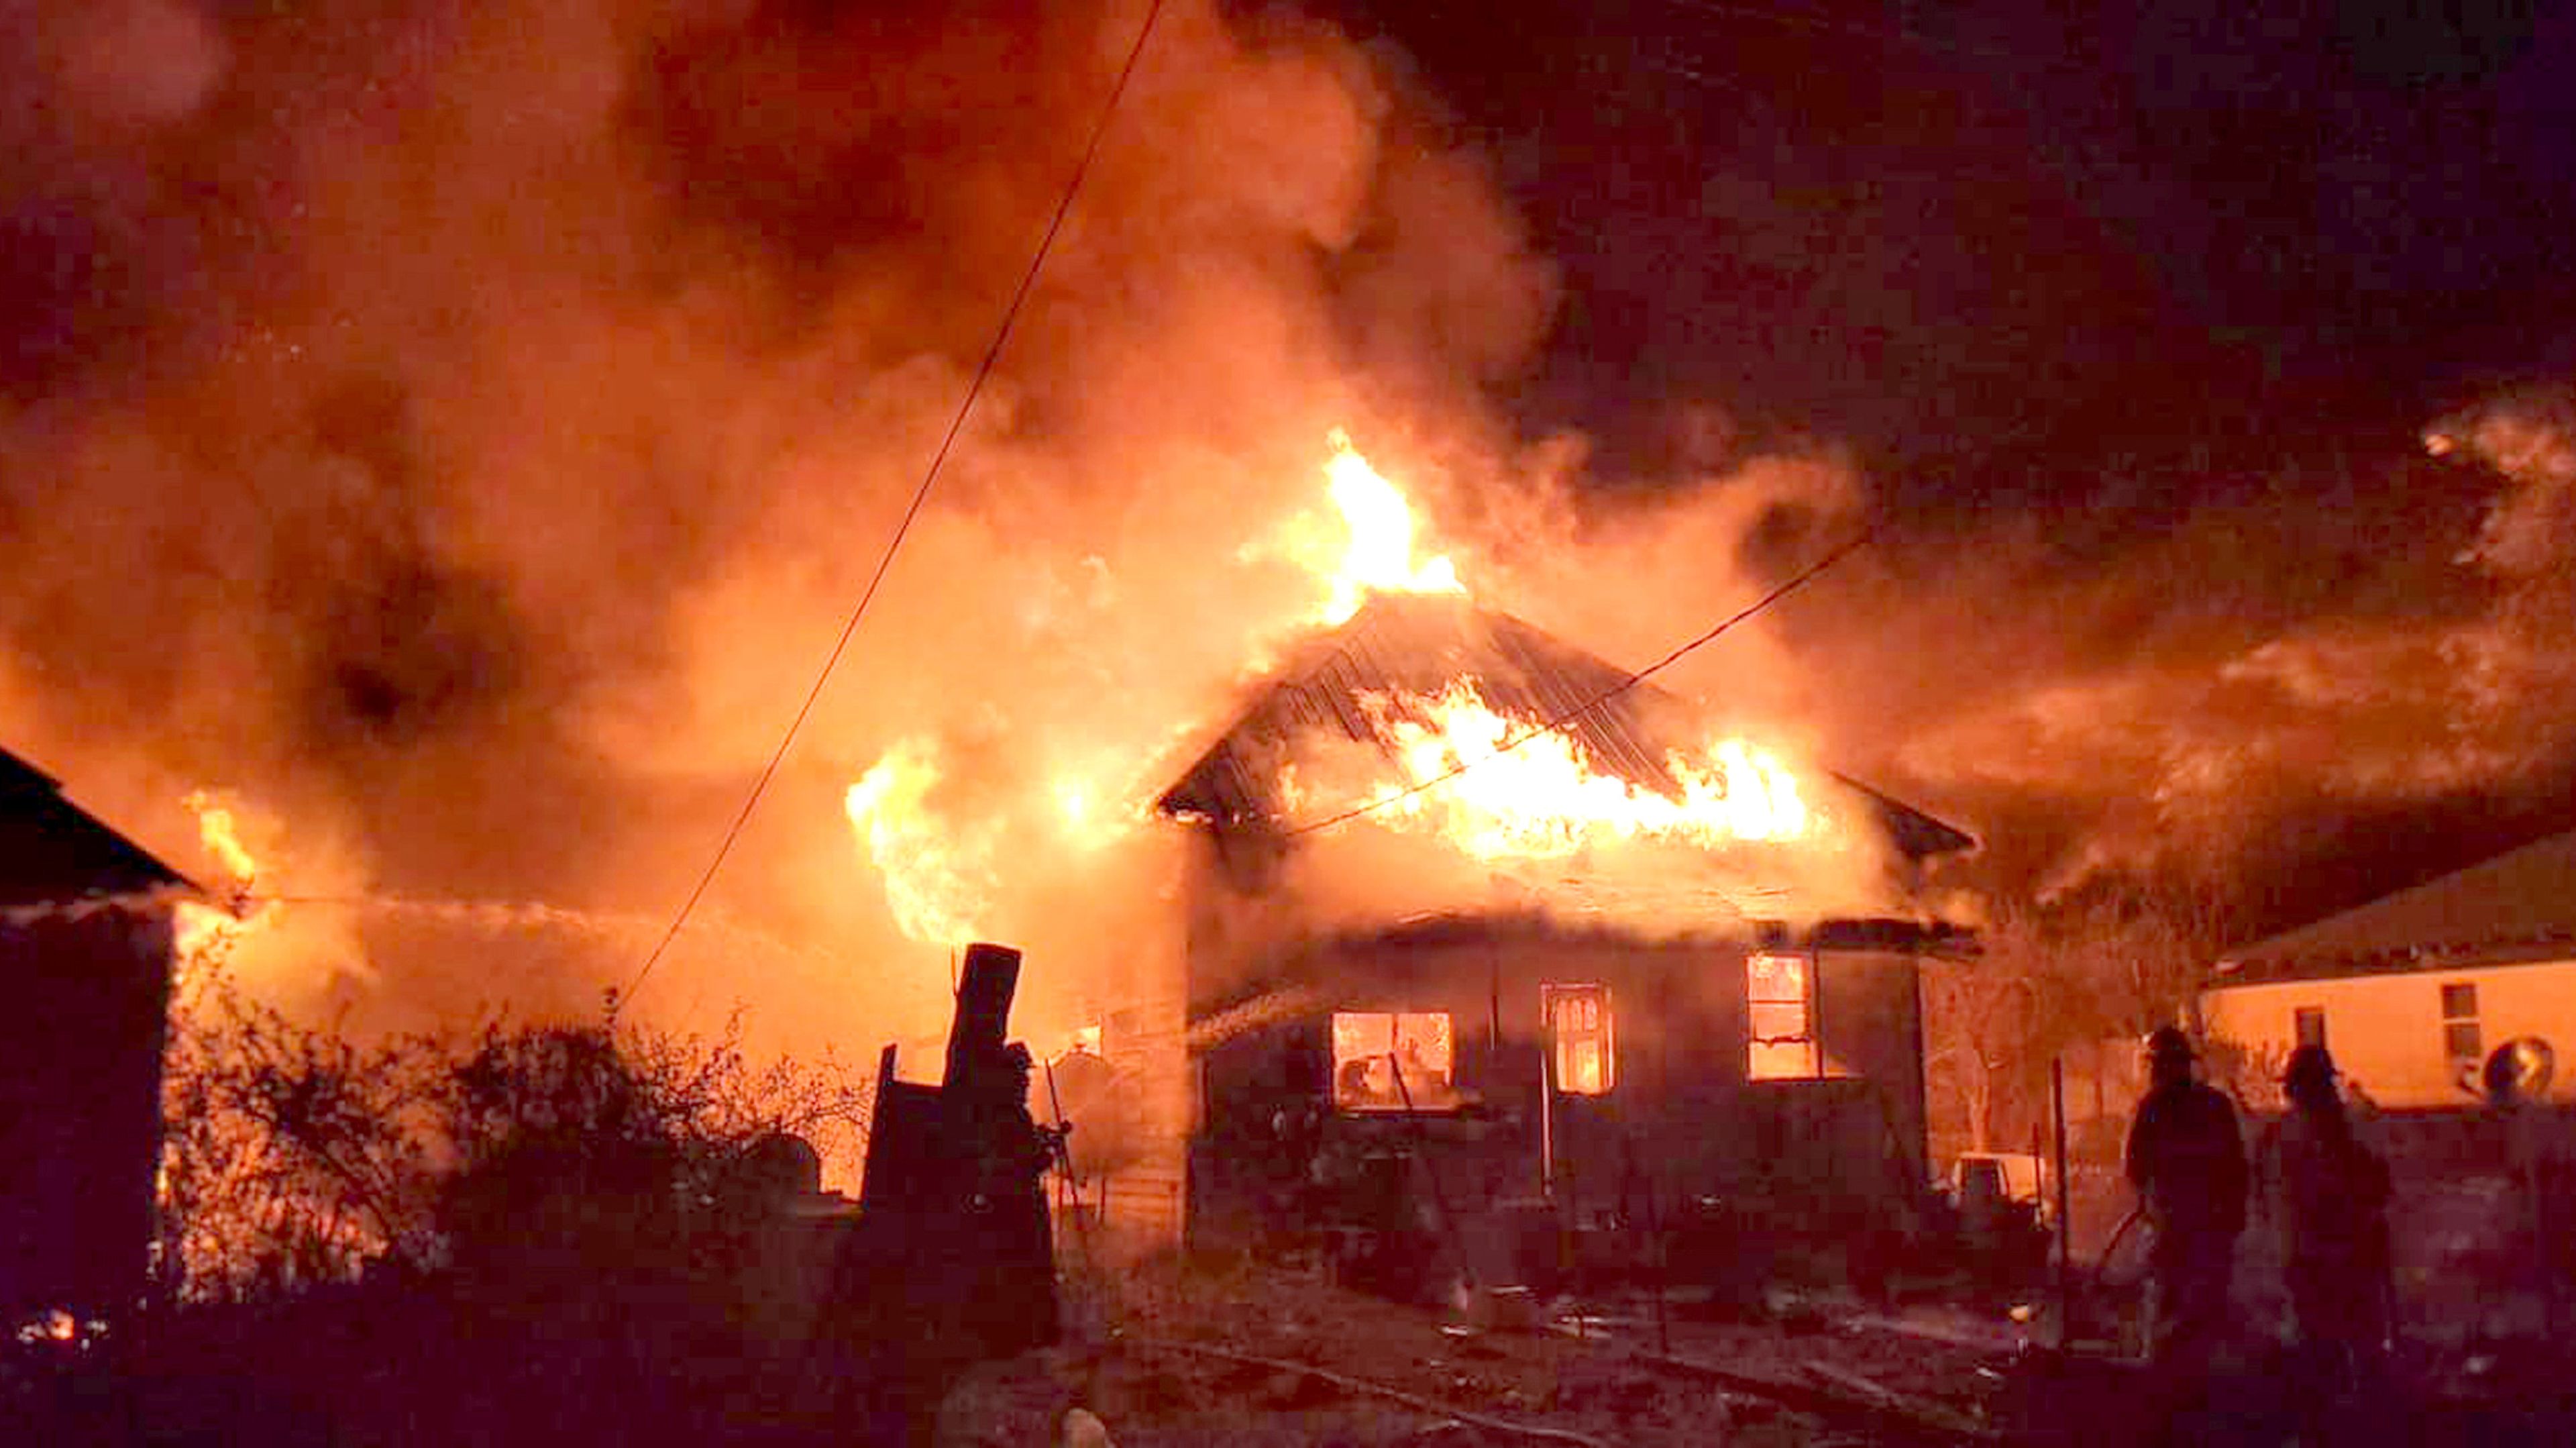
{"points": [[920, 495], [1795, 582]]}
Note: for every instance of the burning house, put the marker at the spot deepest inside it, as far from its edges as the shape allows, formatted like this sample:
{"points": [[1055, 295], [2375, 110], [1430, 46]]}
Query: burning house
{"points": [[1612, 971], [87, 946]]}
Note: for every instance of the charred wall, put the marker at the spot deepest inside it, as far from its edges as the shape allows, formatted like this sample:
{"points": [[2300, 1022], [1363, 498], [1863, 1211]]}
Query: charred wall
{"points": [[1679, 1121]]}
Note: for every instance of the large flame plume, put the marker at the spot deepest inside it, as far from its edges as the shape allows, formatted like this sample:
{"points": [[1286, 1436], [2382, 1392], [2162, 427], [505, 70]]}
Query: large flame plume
{"points": [[1369, 543], [940, 879], [1491, 785]]}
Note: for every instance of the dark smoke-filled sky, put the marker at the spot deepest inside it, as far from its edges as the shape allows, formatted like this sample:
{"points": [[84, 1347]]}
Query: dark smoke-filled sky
{"points": [[455, 432]]}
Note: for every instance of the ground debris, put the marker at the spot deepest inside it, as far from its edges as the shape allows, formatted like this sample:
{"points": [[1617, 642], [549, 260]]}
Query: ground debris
{"points": [[1359, 1385]]}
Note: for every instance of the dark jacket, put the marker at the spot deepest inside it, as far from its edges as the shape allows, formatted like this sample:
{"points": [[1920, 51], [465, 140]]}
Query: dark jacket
{"points": [[2333, 1190], [2187, 1160]]}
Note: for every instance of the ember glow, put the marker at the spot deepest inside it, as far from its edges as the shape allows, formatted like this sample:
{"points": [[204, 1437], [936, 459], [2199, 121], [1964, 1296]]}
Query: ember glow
{"points": [[1548, 798]]}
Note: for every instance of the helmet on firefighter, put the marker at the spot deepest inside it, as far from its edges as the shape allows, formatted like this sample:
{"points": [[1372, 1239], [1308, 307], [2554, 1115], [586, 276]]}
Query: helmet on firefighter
{"points": [[2168, 1043], [2310, 1071]]}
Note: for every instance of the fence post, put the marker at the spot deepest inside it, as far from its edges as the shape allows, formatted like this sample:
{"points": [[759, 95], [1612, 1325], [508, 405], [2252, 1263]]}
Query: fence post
{"points": [[2065, 1216]]}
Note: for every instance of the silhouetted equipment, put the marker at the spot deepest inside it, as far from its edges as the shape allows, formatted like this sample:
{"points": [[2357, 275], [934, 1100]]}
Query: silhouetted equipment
{"points": [[2519, 1070], [953, 1230], [1094, 1101], [983, 1020]]}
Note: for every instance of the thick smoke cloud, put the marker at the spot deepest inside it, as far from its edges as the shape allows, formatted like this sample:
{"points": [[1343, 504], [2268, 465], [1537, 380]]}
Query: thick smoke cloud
{"points": [[459, 430]]}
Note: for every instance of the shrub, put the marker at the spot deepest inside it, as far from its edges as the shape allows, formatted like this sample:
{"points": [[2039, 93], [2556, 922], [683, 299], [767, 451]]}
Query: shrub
{"points": [[294, 1156]]}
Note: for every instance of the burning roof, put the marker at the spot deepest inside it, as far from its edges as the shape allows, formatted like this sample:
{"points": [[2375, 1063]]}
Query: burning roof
{"points": [[1425, 646]]}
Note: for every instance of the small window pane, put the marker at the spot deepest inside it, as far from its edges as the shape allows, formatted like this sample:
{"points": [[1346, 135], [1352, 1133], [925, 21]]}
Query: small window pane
{"points": [[1769, 977], [1782, 1061], [2459, 1002], [2460, 1040], [1772, 1022], [2311, 1025]]}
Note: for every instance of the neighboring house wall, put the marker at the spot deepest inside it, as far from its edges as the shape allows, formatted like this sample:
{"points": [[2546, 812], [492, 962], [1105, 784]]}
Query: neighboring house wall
{"points": [[2398, 1036], [85, 957], [80, 1108]]}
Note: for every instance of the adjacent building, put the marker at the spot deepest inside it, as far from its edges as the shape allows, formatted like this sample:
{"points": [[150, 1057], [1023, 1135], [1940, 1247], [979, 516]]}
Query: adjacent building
{"points": [[86, 950], [2416, 994]]}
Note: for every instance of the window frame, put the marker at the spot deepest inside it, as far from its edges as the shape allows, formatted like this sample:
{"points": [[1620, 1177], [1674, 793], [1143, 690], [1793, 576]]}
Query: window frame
{"points": [[2454, 1033], [2463, 1043], [1603, 1034], [1771, 1057]]}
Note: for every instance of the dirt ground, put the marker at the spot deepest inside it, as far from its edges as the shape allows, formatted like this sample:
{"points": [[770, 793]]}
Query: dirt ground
{"points": [[1158, 1352]]}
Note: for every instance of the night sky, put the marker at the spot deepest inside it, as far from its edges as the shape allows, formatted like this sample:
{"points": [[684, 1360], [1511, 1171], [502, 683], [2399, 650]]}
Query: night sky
{"points": [[1943, 230]]}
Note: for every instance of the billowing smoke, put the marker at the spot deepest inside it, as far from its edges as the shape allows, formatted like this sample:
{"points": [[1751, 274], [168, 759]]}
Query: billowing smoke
{"points": [[2279, 693], [457, 432]]}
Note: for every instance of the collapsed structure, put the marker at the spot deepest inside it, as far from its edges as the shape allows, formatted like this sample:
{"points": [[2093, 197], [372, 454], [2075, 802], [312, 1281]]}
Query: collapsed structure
{"points": [[1696, 983]]}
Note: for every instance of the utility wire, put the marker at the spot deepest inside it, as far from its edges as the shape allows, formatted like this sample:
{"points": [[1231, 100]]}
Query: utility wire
{"points": [[1797, 581], [920, 495]]}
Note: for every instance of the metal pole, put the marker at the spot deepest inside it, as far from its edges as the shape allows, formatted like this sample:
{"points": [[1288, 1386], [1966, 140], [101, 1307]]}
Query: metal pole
{"points": [[1547, 1096], [2065, 1218], [1439, 1199]]}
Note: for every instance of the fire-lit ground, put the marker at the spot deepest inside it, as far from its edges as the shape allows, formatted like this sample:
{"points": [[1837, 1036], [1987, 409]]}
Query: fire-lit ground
{"points": [[1161, 1354], [1158, 1355]]}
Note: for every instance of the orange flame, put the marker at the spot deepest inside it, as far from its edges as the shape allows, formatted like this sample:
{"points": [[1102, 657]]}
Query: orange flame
{"points": [[1549, 798], [1372, 549], [941, 865], [940, 856], [938, 882], [206, 934]]}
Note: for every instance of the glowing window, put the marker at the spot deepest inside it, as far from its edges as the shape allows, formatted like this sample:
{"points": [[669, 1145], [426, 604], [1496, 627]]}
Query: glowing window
{"points": [[1369, 1049], [1579, 1032], [1779, 992]]}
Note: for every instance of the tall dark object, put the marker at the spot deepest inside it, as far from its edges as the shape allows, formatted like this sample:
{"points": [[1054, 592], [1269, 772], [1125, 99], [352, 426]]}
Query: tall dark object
{"points": [[952, 1219], [982, 1024], [2057, 1168], [85, 956]]}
